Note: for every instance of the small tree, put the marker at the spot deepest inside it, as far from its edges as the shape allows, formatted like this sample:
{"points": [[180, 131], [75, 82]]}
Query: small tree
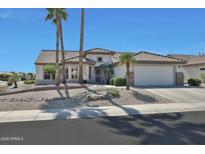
{"points": [[14, 79], [107, 72], [50, 69], [203, 77], [127, 59]]}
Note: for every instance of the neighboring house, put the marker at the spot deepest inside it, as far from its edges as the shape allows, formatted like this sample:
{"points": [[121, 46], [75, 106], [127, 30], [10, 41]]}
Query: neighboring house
{"points": [[151, 69], [194, 65]]}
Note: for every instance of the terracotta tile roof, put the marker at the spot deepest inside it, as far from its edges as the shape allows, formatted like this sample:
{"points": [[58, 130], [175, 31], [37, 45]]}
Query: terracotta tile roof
{"points": [[190, 59], [179, 56], [147, 57], [99, 51], [76, 60], [196, 60], [49, 56]]}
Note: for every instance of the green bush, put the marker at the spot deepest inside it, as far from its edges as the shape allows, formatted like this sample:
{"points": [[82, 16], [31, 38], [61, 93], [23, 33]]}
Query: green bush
{"points": [[194, 82], [113, 92], [4, 79], [112, 81], [29, 82], [119, 81]]}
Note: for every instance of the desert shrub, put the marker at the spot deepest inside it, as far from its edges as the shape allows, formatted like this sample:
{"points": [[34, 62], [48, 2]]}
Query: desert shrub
{"points": [[4, 79], [194, 82], [119, 81], [112, 81], [113, 92], [14, 79], [4, 76], [29, 82]]}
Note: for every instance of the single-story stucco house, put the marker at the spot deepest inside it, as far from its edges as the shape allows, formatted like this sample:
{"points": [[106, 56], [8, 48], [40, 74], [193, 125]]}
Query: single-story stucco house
{"points": [[151, 69], [193, 67]]}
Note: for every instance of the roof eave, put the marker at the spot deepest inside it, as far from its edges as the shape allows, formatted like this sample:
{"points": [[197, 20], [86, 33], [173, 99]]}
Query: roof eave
{"points": [[98, 53]]}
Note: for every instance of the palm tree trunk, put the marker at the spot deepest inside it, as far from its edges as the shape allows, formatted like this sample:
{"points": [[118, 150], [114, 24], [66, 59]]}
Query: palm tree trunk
{"points": [[81, 47], [128, 75], [62, 48], [57, 75]]}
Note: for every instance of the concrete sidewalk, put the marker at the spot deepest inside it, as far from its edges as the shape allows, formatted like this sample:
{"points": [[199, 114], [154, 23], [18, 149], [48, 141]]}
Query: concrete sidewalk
{"points": [[90, 112]]}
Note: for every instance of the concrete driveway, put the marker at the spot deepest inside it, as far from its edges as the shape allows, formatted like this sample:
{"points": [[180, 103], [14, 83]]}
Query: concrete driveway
{"points": [[180, 95]]}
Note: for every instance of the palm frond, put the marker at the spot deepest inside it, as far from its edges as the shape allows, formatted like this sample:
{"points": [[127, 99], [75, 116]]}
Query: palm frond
{"points": [[126, 58], [52, 12], [49, 17]]}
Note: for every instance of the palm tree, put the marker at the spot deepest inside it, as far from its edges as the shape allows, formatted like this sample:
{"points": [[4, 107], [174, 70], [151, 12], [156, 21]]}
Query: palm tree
{"points": [[56, 15], [52, 16], [81, 47], [127, 59]]}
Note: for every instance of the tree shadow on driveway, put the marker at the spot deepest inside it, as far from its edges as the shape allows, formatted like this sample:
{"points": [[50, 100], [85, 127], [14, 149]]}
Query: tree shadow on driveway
{"points": [[143, 97]]}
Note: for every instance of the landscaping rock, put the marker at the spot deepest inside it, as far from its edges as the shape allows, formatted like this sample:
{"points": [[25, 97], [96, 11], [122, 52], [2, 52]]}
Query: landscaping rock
{"points": [[108, 96], [93, 97], [3, 87]]}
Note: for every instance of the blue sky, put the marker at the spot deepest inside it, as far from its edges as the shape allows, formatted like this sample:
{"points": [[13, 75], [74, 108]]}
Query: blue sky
{"points": [[24, 32]]}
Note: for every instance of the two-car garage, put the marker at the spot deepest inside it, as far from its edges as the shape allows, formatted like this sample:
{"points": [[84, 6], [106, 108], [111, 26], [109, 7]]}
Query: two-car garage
{"points": [[150, 75]]}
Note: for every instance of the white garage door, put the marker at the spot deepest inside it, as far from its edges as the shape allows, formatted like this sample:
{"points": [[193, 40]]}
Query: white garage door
{"points": [[154, 75]]}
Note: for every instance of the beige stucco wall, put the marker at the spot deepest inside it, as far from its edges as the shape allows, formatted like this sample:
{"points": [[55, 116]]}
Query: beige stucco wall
{"points": [[40, 74], [192, 71], [120, 71], [106, 59]]}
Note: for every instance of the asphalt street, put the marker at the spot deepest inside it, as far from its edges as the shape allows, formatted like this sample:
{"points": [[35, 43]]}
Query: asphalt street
{"points": [[170, 128]]}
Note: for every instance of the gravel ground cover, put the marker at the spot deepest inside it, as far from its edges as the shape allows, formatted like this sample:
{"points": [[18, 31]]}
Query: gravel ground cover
{"points": [[53, 99]]}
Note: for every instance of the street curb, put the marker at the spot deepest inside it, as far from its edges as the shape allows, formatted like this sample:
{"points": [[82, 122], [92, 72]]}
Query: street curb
{"points": [[92, 112]]}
